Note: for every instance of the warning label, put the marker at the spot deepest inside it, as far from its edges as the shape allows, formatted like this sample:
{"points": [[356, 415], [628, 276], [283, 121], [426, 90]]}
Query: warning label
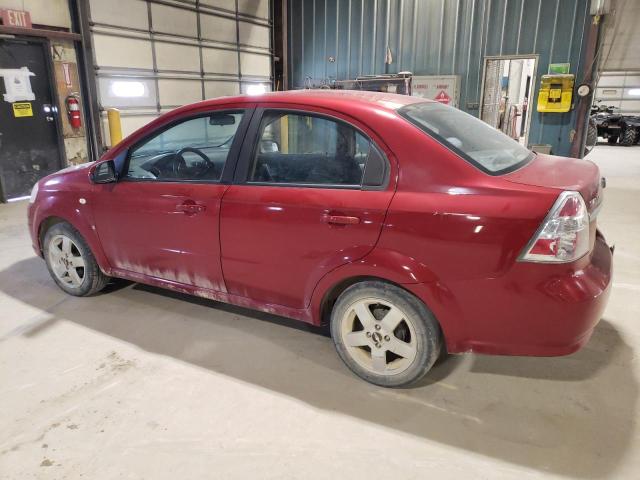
{"points": [[441, 88], [442, 97], [22, 109]]}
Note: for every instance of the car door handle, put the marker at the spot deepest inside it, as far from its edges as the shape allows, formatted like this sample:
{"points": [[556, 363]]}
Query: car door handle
{"points": [[190, 208], [340, 219]]}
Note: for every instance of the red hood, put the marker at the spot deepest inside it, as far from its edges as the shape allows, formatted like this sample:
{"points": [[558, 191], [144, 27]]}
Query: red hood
{"points": [[562, 173]]}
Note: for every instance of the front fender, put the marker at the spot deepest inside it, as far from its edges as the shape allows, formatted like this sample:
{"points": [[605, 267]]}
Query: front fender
{"points": [[66, 206]]}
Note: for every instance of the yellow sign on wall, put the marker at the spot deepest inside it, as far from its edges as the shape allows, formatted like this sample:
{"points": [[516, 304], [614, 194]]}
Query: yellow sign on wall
{"points": [[555, 93], [22, 109]]}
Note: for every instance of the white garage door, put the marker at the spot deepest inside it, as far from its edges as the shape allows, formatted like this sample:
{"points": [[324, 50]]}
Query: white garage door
{"points": [[154, 55], [620, 90]]}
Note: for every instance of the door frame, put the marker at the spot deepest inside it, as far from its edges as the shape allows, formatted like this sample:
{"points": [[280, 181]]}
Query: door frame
{"points": [[53, 91], [250, 144], [536, 59], [234, 152]]}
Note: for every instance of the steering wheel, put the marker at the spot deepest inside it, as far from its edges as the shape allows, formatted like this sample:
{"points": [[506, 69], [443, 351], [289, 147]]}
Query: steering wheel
{"points": [[179, 164]]}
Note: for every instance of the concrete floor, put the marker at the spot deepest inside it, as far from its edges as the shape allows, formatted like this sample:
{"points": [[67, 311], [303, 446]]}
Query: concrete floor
{"points": [[141, 383]]}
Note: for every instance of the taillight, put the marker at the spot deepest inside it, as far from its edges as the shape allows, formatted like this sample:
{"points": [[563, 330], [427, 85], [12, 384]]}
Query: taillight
{"points": [[564, 233]]}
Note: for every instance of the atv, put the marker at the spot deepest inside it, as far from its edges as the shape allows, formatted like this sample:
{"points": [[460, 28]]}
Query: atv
{"points": [[607, 122]]}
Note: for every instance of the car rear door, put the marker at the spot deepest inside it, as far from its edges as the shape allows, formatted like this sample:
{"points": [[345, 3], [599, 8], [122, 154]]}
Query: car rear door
{"points": [[311, 192], [161, 218]]}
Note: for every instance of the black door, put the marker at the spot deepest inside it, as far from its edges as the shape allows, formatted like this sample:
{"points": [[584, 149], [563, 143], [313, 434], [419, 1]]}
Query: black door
{"points": [[29, 136]]}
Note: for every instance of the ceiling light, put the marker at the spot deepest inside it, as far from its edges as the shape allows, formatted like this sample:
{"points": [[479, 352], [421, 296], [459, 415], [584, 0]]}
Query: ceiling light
{"points": [[256, 89], [128, 89]]}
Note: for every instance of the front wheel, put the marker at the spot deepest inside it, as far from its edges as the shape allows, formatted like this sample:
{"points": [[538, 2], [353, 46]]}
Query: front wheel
{"points": [[384, 334], [70, 261]]}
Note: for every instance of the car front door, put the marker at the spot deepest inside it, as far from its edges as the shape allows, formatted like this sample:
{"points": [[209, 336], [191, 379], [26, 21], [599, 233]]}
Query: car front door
{"points": [[310, 194], [161, 218]]}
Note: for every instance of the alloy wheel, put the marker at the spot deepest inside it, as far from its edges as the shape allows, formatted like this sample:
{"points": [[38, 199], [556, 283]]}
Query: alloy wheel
{"points": [[379, 336], [66, 261]]}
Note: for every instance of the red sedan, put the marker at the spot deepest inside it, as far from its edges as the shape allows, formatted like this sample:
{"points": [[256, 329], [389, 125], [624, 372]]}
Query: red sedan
{"points": [[406, 225]]}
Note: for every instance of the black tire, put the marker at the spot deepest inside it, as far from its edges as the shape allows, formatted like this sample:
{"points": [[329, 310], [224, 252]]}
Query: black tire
{"points": [[592, 136], [612, 140], [92, 278], [418, 328], [629, 137]]}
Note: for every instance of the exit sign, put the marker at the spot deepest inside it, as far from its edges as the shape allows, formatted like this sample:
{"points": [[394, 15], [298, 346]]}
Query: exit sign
{"points": [[16, 18]]}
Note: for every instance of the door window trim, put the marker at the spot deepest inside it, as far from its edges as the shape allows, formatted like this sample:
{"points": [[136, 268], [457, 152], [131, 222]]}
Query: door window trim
{"points": [[252, 138], [232, 158]]}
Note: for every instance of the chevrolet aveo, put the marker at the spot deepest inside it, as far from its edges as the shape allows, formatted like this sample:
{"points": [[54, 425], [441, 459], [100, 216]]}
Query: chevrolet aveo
{"points": [[407, 226]]}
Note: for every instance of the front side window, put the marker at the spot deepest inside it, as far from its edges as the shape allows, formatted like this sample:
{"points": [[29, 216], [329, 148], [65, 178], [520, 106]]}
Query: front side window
{"points": [[294, 148], [193, 150], [487, 148]]}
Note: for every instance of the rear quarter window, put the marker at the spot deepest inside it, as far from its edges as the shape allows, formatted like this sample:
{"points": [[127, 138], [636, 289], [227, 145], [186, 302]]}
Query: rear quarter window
{"points": [[488, 149]]}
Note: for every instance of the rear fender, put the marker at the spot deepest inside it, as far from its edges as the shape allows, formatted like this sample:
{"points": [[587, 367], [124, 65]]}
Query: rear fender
{"points": [[393, 267]]}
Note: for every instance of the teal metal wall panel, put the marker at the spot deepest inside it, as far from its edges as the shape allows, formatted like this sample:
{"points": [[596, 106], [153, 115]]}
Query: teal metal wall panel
{"points": [[341, 39]]}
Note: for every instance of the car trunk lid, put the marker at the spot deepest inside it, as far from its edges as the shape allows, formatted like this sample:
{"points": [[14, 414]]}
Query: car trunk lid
{"points": [[563, 174]]}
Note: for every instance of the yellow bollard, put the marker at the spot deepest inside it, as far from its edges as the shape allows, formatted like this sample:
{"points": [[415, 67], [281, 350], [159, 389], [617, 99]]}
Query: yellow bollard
{"points": [[115, 126]]}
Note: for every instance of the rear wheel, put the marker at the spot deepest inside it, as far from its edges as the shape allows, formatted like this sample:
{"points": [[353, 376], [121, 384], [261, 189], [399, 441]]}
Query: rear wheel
{"points": [[629, 137], [70, 261], [612, 140], [384, 334]]}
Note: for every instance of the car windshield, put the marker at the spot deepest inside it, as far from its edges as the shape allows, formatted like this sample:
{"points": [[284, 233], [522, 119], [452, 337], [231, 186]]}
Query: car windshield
{"points": [[485, 147]]}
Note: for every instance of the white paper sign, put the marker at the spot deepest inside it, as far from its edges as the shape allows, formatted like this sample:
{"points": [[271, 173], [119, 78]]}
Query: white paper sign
{"points": [[17, 84]]}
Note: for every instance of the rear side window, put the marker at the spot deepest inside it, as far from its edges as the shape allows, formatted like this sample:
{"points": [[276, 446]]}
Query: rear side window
{"points": [[193, 150], [299, 149], [487, 148]]}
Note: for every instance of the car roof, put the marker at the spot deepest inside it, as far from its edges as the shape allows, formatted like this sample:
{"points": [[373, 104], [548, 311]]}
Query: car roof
{"points": [[347, 101], [335, 99]]}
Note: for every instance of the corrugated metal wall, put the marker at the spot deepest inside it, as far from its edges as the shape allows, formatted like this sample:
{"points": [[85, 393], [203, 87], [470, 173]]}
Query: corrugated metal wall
{"points": [[431, 37]]}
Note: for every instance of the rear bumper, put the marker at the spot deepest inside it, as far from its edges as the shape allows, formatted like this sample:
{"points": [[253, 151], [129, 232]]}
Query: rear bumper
{"points": [[535, 309]]}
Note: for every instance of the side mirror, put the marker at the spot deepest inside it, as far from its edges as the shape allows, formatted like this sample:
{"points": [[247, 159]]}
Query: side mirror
{"points": [[104, 172]]}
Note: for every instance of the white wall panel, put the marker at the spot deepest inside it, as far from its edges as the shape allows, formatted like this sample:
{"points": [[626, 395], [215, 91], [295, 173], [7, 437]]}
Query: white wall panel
{"points": [[254, 35], [179, 92], [125, 52], [220, 61], [170, 56], [130, 123], [125, 13], [226, 4], [256, 8], [177, 21], [218, 28], [220, 89], [254, 64]]}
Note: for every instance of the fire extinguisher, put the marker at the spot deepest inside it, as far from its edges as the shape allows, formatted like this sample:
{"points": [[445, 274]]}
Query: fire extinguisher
{"points": [[73, 111]]}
